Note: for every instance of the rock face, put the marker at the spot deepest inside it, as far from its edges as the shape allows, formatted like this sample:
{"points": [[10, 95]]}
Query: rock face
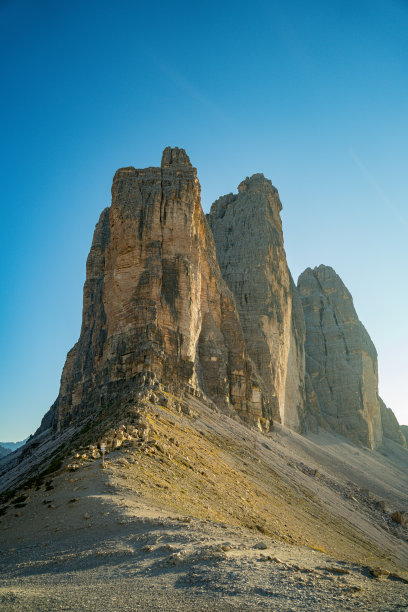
{"points": [[215, 314], [404, 431], [340, 358], [390, 425], [4, 451], [247, 230], [155, 301]]}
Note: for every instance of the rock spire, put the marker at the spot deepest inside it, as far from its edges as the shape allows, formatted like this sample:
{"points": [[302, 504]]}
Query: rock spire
{"points": [[340, 358], [155, 302], [210, 309], [248, 235]]}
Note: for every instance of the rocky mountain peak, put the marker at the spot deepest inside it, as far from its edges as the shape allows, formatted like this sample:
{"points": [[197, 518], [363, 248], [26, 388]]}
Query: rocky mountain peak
{"points": [[324, 275], [256, 182], [173, 156], [155, 303], [247, 230], [341, 359]]}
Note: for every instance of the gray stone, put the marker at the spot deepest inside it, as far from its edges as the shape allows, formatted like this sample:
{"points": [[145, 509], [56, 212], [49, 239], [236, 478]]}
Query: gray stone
{"points": [[341, 359], [248, 235], [390, 425]]}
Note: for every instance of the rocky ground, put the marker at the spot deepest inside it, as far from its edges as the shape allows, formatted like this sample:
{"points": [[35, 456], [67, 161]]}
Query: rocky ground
{"points": [[196, 511]]}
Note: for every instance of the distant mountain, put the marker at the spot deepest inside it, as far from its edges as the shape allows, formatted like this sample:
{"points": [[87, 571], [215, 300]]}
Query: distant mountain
{"points": [[12, 446], [4, 451]]}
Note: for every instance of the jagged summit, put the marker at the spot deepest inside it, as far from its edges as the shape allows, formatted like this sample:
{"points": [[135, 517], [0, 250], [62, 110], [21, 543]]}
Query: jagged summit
{"points": [[258, 183], [173, 156], [341, 359], [320, 269], [322, 272]]}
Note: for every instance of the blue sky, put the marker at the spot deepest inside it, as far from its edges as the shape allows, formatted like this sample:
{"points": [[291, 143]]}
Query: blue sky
{"points": [[314, 95]]}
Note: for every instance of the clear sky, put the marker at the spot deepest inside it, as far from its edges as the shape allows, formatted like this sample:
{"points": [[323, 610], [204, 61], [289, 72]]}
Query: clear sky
{"points": [[312, 94]]}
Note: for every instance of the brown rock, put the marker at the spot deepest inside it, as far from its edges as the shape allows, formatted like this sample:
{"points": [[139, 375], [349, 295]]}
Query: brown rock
{"points": [[155, 304], [379, 572], [399, 517]]}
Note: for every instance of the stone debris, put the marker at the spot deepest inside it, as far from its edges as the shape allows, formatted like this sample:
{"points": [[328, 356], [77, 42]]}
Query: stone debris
{"points": [[261, 545], [399, 517]]}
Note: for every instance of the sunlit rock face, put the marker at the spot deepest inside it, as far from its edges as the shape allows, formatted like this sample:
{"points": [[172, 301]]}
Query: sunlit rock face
{"points": [[247, 230], [341, 359], [155, 300], [215, 313]]}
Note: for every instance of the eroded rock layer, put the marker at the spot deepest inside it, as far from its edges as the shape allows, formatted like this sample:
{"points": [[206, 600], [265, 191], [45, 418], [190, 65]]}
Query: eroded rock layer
{"points": [[247, 230], [155, 301], [340, 358]]}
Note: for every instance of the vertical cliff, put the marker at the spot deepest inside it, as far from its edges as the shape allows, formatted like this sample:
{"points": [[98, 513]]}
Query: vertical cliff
{"points": [[390, 425], [247, 230], [216, 312], [155, 301], [340, 358]]}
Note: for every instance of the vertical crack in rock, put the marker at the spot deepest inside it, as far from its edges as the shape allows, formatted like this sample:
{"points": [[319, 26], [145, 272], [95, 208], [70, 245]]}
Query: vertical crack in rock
{"points": [[342, 336]]}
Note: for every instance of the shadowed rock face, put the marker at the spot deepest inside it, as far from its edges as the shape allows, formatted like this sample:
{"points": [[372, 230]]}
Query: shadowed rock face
{"points": [[340, 358], [390, 425], [4, 451], [154, 300], [247, 230]]}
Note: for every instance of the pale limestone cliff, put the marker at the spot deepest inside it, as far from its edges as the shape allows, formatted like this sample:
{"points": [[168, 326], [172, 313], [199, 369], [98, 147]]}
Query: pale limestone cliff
{"points": [[157, 306], [247, 230], [155, 301], [390, 425], [340, 358]]}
